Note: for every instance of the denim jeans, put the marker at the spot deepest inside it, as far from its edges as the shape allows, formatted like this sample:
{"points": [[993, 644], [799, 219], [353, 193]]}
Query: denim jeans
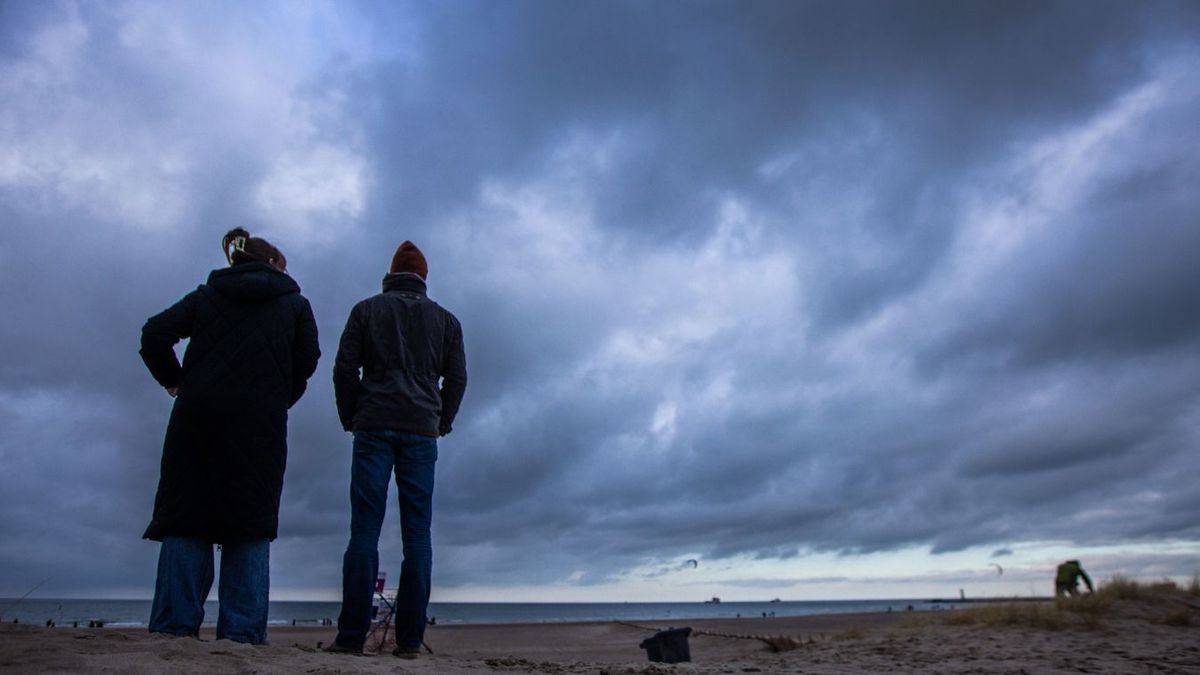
{"points": [[185, 576], [377, 454]]}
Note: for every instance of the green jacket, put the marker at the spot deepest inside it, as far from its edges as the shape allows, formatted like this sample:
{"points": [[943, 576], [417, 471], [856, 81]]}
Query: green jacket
{"points": [[1069, 574]]}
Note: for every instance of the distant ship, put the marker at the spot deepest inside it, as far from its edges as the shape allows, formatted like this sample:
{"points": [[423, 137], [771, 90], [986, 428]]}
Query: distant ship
{"points": [[714, 601], [776, 600]]}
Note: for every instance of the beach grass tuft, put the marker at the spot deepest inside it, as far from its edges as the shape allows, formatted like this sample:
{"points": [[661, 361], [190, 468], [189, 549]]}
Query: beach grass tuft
{"points": [[1037, 615], [1120, 588], [1179, 617], [783, 643], [853, 633], [1094, 604], [1089, 611]]}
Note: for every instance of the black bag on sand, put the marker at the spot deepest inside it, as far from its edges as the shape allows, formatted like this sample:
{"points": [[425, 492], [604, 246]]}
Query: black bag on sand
{"points": [[668, 646]]}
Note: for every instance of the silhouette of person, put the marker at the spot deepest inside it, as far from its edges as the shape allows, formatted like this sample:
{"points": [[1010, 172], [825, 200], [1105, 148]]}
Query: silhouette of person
{"points": [[1066, 579]]}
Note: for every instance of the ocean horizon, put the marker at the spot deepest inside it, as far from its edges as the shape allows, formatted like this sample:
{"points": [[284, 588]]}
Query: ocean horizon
{"points": [[118, 613]]}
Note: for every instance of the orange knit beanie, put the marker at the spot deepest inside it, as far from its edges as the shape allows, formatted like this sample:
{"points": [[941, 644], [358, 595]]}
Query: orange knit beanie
{"points": [[409, 258]]}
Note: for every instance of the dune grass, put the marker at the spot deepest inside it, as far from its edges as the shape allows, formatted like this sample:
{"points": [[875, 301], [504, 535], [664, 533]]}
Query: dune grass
{"points": [[1037, 615], [1162, 602]]}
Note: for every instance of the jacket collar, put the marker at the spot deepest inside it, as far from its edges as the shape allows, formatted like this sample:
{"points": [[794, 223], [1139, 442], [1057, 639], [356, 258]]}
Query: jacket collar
{"points": [[252, 280], [405, 282]]}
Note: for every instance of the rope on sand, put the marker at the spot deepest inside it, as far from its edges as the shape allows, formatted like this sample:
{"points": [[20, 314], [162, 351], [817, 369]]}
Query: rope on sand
{"points": [[777, 643]]}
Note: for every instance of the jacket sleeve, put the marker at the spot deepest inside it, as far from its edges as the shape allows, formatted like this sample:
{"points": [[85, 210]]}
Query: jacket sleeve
{"points": [[162, 332], [346, 367], [454, 376], [306, 350]]}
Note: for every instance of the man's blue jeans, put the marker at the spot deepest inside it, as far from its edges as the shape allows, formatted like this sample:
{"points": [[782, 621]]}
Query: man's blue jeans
{"points": [[185, 576], [377, 454]]}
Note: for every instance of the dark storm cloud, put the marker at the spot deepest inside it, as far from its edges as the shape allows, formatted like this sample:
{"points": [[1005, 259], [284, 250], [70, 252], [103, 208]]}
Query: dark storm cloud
{"points": [[737, 280]]}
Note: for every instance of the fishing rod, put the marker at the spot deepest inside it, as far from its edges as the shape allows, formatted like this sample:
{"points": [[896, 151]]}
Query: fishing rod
{"points": [[27, 594]]}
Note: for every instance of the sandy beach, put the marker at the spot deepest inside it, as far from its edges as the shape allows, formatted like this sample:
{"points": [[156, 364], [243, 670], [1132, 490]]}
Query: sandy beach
{"points": [[1157, 633]]}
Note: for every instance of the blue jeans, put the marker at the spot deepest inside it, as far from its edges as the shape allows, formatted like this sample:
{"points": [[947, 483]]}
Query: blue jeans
{"points": [[185, 576], [376, 455]]}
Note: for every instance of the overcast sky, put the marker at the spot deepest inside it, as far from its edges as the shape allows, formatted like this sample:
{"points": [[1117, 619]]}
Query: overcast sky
{"points": [[838, 299]]}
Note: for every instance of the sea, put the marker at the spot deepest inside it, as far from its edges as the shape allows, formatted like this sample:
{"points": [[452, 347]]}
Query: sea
{"points": [[134, 613]]}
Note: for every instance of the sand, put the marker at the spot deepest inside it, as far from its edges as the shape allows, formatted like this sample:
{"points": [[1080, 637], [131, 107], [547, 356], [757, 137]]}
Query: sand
{"points": [[1128, 639]]}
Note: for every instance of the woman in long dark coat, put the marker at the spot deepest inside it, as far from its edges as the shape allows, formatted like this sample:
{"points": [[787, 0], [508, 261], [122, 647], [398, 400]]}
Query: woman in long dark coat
{"points": [[253, 346]]}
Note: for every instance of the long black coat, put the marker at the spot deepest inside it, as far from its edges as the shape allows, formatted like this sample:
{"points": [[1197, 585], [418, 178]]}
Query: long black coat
{"points": [[253, 346]]}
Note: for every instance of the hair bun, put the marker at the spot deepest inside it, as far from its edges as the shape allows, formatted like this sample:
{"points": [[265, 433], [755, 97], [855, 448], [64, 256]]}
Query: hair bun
{"points": [[239, 246]]}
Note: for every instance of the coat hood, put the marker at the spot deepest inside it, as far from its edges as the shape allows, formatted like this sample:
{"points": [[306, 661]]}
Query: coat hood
{"points": [[252, 281]]}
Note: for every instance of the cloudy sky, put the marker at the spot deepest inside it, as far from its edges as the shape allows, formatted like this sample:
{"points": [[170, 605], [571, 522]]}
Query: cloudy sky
{"points": [[839, 299]]}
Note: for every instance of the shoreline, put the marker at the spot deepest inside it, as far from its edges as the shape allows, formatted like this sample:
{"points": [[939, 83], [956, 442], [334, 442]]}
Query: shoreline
{"points": [[560, 647], [122, 613], [833, 618]]}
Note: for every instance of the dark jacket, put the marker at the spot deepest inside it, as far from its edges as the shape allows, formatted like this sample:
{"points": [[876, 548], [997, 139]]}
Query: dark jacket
{"points": [[404, 343], [253, 347]]}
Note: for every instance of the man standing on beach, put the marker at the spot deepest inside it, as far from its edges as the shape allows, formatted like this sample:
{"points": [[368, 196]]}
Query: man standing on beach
{"points": [[404, 344]]}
